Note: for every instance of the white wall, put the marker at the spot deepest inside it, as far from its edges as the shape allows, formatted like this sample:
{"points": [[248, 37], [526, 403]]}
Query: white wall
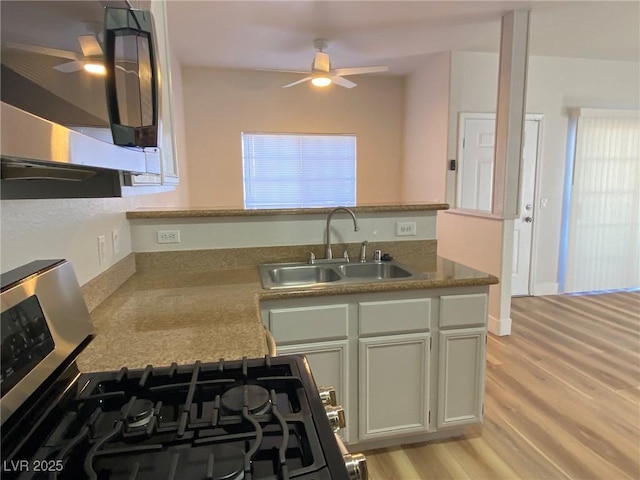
{"points": [[279, 230], [425, 135], [68, 228], [222, 103], [554, 85]]}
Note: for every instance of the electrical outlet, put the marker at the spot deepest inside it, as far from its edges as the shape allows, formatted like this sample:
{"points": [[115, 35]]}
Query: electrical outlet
{"points": [[102, 250], [168, 236], [404, 229], [115, 236]]}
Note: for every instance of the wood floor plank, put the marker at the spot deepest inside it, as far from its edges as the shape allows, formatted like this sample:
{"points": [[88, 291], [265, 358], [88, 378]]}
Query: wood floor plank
{"points": [[562, 399]]}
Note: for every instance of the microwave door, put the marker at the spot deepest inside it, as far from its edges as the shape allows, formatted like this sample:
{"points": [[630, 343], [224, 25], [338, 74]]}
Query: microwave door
{"points": [[131, 77]]}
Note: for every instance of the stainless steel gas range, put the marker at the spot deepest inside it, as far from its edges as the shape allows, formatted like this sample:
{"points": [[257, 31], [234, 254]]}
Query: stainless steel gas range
{"points": [[246, 419]]}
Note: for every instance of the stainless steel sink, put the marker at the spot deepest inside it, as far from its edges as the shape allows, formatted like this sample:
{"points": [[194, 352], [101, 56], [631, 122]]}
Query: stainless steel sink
{"points": [[303, 275], [374, 270]]}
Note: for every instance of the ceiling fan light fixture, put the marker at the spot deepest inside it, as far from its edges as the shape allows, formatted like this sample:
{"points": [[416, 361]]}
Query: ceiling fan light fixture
{"points": [[321, 80], [95, 68]]}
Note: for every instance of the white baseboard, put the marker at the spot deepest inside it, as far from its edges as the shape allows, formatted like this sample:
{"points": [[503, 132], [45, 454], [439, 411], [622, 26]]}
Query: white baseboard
{"points": [[540, 289], [499, 327]]}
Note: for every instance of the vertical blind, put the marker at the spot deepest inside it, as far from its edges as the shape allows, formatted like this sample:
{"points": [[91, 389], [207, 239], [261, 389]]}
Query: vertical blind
{"points": [[603, 235], [297, 171]]}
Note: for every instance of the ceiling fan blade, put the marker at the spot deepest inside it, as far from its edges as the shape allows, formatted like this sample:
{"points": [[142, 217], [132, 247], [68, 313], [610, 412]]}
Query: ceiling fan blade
{"points": [[51, 52], [341, 72], [343, 82], [306, 79], [90, 46], [321, 62], [302, 72], [70, 67]]}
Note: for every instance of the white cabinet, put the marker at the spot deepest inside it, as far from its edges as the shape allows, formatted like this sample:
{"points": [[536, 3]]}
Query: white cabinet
{"points": [[393, 385], [329, 364], [461, 359], [168, 159], [320, 333], [394, 358], [461, 371], [166, 117], [394, 364]]}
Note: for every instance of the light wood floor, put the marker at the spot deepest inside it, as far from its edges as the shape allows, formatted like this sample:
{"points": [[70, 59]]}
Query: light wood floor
{"points": [[562, 399]]}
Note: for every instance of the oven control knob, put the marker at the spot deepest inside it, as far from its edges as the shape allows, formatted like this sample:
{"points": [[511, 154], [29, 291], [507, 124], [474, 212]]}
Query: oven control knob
{"points": [[328, 396], [336, 417], [356, 466]]}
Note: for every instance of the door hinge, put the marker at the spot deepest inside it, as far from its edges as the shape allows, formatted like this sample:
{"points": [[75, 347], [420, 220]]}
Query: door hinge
{"points": [[429, 417], [430, 343], [464, 141]]}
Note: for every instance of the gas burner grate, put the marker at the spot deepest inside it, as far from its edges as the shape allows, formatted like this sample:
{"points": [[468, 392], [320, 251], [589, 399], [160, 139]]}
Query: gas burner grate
{"points": [[186, 422]]}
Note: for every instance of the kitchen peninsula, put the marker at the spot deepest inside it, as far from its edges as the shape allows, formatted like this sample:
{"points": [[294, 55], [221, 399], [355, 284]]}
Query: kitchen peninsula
{"points": [[201, 299]]}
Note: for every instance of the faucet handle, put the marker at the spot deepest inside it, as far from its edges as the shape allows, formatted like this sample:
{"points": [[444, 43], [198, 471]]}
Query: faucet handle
{"points": [[345, 255], [312, 258]]}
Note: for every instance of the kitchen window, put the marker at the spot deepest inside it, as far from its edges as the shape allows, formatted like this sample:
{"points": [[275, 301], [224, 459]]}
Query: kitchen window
{"points": [[286, 170]]}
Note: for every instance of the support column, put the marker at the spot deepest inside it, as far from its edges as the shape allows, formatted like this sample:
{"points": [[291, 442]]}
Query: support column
{"points": [[512, 97]]}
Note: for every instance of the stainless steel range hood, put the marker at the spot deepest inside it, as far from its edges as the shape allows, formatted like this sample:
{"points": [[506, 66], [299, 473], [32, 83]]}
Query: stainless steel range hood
{"points": [[40, 159]]}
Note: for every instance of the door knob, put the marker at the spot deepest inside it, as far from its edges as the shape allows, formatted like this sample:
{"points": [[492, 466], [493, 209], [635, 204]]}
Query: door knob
{"points": [[528, 219]]}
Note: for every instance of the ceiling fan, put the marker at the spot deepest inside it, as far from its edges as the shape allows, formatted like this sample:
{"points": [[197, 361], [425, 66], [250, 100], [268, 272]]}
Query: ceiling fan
{"points": [[90, 59], [322, 75]]}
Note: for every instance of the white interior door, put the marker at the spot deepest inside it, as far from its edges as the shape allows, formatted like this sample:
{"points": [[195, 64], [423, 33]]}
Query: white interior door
{"points": [[475, 184], [475, 175], [523, 225]]}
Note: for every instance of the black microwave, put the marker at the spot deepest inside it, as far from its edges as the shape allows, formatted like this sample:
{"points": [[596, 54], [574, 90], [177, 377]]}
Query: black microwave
{"points": [[85, 68]]}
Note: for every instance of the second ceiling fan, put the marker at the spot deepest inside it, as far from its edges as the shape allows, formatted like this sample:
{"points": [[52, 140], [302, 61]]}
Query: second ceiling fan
{"points": [[322, 75]]}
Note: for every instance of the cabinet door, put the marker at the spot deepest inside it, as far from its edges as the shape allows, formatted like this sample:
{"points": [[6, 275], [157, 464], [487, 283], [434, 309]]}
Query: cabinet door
{"points": [[329, 364], [166, 130], [393, 385], [461, 370]]}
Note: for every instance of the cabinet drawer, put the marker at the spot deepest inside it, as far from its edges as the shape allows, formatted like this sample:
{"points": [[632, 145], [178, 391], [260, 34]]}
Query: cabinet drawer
{"points": [[463, 310], [295, 325], [395, 316]]}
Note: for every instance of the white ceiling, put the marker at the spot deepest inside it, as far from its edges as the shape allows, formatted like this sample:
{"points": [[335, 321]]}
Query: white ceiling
{"points": [[400, 34]]}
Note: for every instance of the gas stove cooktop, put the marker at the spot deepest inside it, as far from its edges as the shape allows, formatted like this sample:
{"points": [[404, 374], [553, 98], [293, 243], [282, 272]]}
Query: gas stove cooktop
{"points": [[245, 419], [249, 419]]}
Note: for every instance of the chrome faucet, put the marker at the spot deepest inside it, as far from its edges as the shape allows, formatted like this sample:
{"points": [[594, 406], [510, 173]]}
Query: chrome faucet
{"points": [[363, 252], [329, 255]]}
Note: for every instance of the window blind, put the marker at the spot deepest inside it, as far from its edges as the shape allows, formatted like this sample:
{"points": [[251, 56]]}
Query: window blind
{"points": [[603, 235], [297, 171]]}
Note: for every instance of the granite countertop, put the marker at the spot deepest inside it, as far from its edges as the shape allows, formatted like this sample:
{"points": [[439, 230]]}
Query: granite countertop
{"points": [[193, 212], [181, 316]]}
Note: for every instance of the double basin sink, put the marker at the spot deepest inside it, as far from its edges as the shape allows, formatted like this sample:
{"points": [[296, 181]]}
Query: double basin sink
{"points": [[302, 275]]}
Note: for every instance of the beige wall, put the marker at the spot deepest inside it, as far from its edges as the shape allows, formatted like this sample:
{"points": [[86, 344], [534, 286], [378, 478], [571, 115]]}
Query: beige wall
{"points": [[425, 136], [221, 103], [471, 241]]}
